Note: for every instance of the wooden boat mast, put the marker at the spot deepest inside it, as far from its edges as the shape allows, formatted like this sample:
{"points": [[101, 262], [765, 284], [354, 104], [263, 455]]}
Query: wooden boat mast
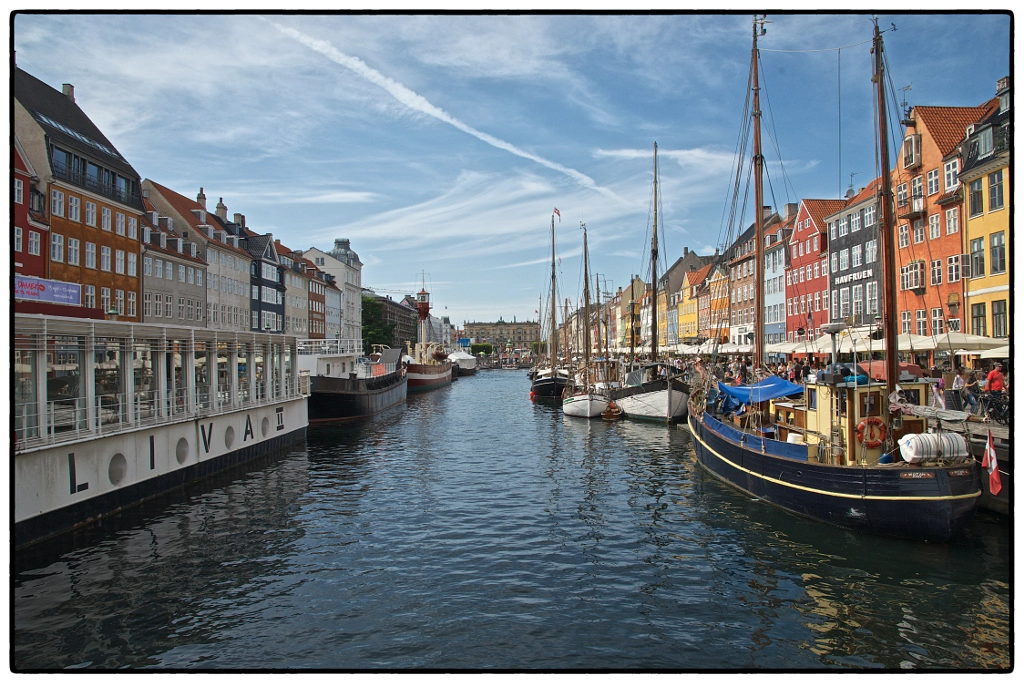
{"points": [[885, 226], [586, 311], [758, 204], [654, 265], [554, 330]]}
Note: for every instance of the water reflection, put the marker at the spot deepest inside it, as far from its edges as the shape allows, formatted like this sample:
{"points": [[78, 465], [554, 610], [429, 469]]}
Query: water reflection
{"points": [[443, 534]]}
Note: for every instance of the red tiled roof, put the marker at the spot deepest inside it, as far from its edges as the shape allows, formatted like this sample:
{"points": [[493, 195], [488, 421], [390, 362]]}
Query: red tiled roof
{"points": [[184, 206], [697, 276], [818, 209], [947, 125]]}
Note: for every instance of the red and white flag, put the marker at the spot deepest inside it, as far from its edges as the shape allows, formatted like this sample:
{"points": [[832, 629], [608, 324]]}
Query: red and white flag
{"points": [[557, 213], [995, 485]]}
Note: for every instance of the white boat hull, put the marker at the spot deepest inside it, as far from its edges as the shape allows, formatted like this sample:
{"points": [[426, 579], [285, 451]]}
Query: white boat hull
{"points": [[665, 405], [585, 405]]}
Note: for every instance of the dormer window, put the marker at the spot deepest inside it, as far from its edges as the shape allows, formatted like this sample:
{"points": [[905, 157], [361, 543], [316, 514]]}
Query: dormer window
{"points": [[985, 143]]}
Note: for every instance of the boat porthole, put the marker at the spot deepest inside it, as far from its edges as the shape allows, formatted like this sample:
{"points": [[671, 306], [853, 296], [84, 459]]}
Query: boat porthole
{"points": [[117, 469], [799, 474], [182, 451], [265, 426], [229, 436]]}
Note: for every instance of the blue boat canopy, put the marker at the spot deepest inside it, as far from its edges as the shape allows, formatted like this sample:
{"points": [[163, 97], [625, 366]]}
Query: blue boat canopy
{"points": [[765, 390]]}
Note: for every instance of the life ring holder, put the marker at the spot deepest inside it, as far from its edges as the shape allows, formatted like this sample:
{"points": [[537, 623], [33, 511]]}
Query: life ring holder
{"points": [[877, 434]]}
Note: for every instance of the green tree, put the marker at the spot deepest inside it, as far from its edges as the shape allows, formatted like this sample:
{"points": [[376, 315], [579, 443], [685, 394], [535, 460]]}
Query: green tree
{"points": [[375, 330], [477, 349]]}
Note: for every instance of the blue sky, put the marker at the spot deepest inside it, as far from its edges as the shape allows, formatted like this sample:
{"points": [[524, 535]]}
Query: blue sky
{"points": [[440, 144]]}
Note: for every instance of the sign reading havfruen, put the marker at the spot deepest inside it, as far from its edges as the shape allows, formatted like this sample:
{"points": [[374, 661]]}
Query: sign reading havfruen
{"points": [[52, 291]]}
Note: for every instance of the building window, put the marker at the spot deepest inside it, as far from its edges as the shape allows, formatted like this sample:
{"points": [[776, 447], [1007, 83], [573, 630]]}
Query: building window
{"points": [[918, 231], [119, 296], [181, 273], [870, 251], [147, 265], [199, 278], [844, 302], [147, 304], [978, 257], [855, 257], [901, 194], [922, 322], [105, 259], [844, 259], [905, 322], [57, 248], [90, 255], [158, 268], [977, 203], [952, 220], [843, 227], [119, 224], [119, 261], [999, 328], [191, 275], [56, 202], [168, 306], [998, 253], [953, 268], [832, 230], [74, 208], [17, 239], [189, 305], [19, 191], [131, 304], [169, 271], [132, 264], [953, 324], [73, 251], [855, 222], [90, 213], [904, 236], [133, 228], [934, 231], [978, 319], [950, 170], [105, 212], [90, 296], [933, 181], [105, 299], [937, 325], [858, 299], [181, 308], [995, 190], [936, 270], [912, 276], [872, 294]]}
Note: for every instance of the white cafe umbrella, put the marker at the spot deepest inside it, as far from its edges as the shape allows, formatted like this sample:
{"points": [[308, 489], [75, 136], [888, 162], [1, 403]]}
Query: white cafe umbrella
{"points": [[998, 352]]}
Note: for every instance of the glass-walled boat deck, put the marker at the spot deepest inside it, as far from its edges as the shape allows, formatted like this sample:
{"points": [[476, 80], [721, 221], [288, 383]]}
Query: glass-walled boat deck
{"points": [[77, 379]]}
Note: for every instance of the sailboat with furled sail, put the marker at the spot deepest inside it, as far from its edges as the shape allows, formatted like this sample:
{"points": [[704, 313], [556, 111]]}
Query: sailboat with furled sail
{"points": [[655, 391], [851, 454], [585, 400], [550, 378]]}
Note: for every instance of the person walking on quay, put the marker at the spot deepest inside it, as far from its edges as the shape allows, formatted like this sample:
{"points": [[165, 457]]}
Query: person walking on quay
{"points": [[972, 391]]}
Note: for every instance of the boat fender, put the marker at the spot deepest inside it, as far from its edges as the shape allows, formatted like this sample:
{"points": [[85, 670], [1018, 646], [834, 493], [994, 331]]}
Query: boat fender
{"points": [[871, 432]]}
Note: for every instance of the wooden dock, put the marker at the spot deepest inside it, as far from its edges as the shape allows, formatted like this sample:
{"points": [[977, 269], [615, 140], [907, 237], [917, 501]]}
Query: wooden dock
{"points": [[974, 428]]}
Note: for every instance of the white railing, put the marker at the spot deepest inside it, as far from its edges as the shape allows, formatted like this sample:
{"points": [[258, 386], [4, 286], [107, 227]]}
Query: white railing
{"points": [[330, 347], [69, 419]]}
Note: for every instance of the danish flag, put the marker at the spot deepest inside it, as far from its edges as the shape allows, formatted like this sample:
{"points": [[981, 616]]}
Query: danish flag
{"points": [[557, 213], [995, 485]]}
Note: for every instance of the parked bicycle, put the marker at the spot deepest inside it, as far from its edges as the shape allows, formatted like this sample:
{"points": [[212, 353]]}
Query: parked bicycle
{"points": [[996, 407]]}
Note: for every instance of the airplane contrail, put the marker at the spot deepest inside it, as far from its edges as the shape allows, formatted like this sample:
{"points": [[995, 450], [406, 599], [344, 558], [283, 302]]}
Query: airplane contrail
{"points": [[419, 103]]}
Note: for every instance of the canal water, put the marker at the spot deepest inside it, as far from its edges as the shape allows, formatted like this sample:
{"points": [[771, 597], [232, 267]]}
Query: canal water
{"points": [[473, 529]]}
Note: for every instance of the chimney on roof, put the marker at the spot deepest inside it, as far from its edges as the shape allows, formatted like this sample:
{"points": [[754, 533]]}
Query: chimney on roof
{"points": [[766, 212], [686, 250], [1002, 85], [201, 199], [69, 91], [222, 211], [240, 219], [791, 210]]}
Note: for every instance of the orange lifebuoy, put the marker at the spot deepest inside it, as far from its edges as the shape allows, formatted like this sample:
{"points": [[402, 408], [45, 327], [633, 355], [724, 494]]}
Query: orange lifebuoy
{"points": [[871, 432]]}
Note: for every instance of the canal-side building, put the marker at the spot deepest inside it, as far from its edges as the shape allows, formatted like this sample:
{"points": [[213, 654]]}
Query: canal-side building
{"points": [[344, 264], [296, 291], [92, 204], [173, 274], [266, 278], [743, 284], [520, 334], [713, 302], [227, 281], [985, 175], [807, 276], [31, 238], [688, 330], [332, 308], [402, 314], [928, 232], [776, 255], [854, 262], [317, 299]]}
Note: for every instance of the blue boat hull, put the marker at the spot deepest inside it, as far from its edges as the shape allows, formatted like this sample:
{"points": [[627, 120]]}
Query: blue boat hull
{"points": [[918, 503]]}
